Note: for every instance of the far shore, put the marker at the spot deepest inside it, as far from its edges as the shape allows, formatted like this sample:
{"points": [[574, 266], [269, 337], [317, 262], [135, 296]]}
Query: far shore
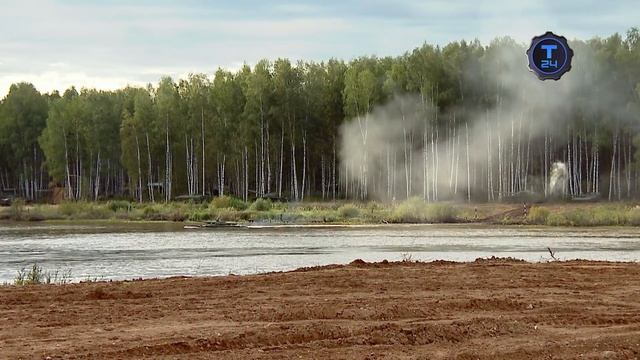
{"points": [[338, 213]]}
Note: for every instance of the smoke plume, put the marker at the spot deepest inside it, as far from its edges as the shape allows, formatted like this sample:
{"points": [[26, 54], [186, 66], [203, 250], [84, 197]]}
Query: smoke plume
{"points": [[501, 142]]}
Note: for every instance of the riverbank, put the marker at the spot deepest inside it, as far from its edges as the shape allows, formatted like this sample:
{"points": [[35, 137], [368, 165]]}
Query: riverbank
{"points": [[413, 210], [486, 309]]}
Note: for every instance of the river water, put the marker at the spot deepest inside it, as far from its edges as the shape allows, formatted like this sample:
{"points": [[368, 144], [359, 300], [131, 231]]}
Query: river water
{"points": [[126, 251]]}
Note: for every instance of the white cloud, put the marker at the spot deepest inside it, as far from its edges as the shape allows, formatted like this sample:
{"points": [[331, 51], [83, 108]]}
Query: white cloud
{"points": [[53, 80], [109, 43]]}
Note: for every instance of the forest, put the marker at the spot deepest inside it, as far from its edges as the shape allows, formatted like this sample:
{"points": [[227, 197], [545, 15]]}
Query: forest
{"points": [[465, 121]]}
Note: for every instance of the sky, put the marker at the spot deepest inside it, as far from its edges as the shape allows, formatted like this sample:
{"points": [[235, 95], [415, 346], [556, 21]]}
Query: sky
{"points": [[108, 44]]}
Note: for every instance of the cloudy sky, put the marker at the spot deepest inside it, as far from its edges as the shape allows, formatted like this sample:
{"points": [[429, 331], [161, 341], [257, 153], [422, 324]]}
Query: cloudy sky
{"points": [[110, 43]]}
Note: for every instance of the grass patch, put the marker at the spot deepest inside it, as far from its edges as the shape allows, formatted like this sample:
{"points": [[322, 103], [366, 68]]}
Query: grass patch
{"points": [[538, 215], [597, 215], [416, 210], [413, 210], [633, 216], [36, 275], [556, 219], [83, 210], [348, 211], [224, 202], [261, 205]]}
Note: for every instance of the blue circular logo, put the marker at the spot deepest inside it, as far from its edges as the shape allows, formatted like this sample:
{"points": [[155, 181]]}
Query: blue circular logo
{"points": [[549, 56]]}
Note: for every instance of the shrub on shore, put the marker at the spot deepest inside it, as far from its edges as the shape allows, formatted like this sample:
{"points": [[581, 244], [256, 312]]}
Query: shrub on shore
{"points": [[538, 215], [36, 275], [17, 210], [261, 205], [348, 211], [223, 202], [633, 216], [119, 205], [413, 210], [416, 210], [599, 215], [557, 219], [84, 210]]}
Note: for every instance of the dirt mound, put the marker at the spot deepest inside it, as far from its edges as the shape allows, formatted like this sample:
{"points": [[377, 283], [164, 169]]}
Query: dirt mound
{"points": [[498, 260]]}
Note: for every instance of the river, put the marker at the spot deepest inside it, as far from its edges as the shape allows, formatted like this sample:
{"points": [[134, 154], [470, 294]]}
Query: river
{"points": [[147, 250]]}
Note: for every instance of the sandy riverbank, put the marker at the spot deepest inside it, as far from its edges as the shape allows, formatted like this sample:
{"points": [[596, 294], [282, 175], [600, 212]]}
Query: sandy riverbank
{"points": [[480, 310]]}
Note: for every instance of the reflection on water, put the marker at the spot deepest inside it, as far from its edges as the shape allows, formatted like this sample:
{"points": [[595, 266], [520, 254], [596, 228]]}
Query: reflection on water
{"points": [[125, 251]]}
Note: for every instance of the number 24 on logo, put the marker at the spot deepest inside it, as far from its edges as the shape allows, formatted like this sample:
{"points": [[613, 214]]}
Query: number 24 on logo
{"points": [[546, 64]]}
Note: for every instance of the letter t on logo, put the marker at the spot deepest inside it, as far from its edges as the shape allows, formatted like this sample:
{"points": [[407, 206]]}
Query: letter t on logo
{"points": [[549, 49]]}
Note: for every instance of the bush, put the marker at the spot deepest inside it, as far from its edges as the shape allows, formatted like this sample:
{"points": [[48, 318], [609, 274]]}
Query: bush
{"points": [[556, 219], [261, 205], [153, 212], [37, 275], [17, 211], [225, 202], [507, 220], [229, 214], [177, 215], [607, 215], [538, 215], [416, 210], [200, 215], [441, 213], [633, 216], [69, 208], [84, 210], [579, 217], [116, 205], [348, 211], [597, 216]]}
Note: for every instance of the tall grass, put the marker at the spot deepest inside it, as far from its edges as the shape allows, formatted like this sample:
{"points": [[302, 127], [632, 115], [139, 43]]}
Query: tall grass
{"points": [[538, 215], [599, 215], [348, 211], [261, 205], [416, 210], [413, 210], [36, 275], [223, 202]]}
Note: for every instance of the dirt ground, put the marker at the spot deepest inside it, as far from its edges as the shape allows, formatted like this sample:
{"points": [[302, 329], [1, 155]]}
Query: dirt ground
{"points": [[489, 309]]}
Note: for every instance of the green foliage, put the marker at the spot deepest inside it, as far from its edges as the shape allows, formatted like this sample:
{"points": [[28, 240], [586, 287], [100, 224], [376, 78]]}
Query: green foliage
{"points": [[222, 202], [17, 211], [261, 205], [83, 210], [23, 114], [633, 216], [557, 219], [608, 216], [416, 210], [36, 275], [165, 212], [508, 220], [599, 215], [348, 211], [200, 215], [118, 205], [538, 215], [230, 214]]}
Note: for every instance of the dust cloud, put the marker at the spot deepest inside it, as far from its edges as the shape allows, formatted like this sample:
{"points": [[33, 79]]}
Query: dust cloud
{"points": [[489, 146]]}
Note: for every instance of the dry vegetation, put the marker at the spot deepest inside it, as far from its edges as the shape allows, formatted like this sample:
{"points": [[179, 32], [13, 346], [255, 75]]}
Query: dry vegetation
{"points": [[413, 210]]}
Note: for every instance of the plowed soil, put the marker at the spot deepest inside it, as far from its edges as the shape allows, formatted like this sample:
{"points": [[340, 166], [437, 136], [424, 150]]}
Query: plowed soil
{"points": [[489, 309]]}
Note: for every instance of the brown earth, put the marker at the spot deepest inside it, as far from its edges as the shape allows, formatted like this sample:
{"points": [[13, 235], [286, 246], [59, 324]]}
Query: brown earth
{"points": [[489, 309]]}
